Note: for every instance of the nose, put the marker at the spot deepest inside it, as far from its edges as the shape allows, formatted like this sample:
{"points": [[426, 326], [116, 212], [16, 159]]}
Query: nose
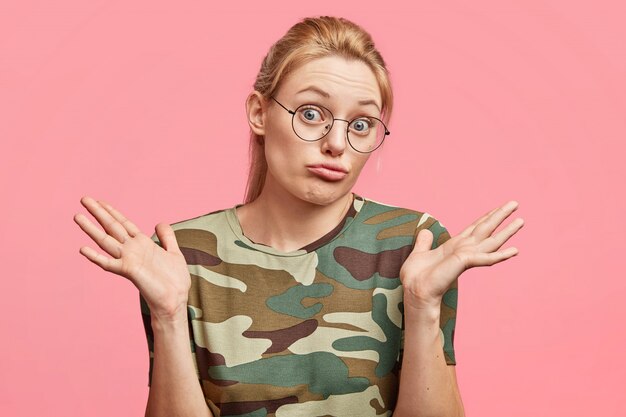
{"points": [[335, 141]]}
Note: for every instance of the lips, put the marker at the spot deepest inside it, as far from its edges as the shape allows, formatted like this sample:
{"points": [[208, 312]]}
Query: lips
{"points": [[333, 167], [328, 172]]}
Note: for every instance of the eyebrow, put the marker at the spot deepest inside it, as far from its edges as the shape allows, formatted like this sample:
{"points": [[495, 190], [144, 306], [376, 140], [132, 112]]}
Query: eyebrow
{"points": [[323, 93]]}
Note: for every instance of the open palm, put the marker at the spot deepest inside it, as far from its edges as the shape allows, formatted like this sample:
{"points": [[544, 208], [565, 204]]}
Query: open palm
{"points": [[160, 274], [427, 274]]}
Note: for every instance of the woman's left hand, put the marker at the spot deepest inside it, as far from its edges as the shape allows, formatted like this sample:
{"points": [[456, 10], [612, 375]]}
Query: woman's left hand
{"points": [[427, 274]]}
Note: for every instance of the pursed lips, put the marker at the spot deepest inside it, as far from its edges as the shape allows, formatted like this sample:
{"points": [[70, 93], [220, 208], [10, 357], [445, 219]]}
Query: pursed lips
{"points": [[332, 167], [328, 173]]}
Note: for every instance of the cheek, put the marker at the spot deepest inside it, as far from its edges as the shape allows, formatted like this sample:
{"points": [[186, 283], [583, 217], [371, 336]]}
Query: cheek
{"points": [[281, 150], [360, 162]]}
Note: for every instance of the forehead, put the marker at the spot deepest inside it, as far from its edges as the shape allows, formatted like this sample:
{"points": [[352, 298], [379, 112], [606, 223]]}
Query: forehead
{"points": [[341, 78]]}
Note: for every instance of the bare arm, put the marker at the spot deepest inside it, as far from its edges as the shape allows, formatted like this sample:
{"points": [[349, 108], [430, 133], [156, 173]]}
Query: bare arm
{"points": [[427, 387], [428, 384], [161, 275], [175, 389]]}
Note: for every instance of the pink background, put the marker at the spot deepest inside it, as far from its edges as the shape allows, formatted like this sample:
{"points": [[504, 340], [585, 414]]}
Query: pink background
{"points": [[141, 103]]}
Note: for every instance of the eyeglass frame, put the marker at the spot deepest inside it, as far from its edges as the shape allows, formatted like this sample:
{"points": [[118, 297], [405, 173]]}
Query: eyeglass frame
{"points": [[293, 114]]}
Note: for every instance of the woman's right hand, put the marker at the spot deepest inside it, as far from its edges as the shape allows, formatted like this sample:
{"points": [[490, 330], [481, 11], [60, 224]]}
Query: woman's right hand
{"points": [[159, 273]]}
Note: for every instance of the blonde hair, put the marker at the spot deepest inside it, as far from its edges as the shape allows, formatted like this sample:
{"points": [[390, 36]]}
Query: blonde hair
{"points": [[311, 38]]}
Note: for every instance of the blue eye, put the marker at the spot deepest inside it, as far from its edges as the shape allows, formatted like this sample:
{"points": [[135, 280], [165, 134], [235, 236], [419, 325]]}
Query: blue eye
{"points": [[311, 113], [361, 125]]}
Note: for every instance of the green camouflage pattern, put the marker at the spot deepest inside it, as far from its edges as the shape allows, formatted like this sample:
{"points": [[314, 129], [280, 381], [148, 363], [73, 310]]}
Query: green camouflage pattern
{"points": [[313, 332]]}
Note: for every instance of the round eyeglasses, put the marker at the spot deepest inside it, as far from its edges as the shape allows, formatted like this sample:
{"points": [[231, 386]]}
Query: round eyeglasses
{"points": [[311, 122]]}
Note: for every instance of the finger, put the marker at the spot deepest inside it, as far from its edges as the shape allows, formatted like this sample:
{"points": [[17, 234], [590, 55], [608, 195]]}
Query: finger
{"points": [[488, 259], [108, 223], [487, 226], [423, 241], [494, 242], [107, 243], [108, 264], [166, 235], [129, 226], [469, 229]]}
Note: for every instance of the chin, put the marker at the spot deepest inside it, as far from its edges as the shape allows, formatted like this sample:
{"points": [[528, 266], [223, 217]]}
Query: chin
{"points": [[314, 190], [324, 197]]}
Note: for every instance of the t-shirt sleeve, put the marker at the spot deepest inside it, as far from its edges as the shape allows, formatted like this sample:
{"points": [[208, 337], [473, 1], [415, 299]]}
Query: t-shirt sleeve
{"points": [[447, 318], [147, 325]]}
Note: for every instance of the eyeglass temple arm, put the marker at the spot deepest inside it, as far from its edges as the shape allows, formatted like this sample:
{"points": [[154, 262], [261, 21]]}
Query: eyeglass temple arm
{"points": [[290, 111]]}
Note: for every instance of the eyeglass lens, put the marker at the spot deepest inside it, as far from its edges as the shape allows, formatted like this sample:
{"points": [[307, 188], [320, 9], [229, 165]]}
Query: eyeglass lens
{"points": [[312, 122]]}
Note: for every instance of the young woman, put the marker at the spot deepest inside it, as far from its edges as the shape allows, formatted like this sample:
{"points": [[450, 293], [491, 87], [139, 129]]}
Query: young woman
{"points": [[308, 299]]}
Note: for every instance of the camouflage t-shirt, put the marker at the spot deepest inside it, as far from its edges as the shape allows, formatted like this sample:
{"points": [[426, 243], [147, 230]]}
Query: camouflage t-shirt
{"points": [[313, 332]]}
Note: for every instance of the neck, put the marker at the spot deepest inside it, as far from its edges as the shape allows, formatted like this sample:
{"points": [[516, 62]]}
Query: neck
{"points": [[285, 222]]}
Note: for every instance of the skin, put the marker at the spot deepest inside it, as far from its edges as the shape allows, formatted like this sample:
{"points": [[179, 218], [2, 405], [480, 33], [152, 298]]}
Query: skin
{"points": [[291, 192], [294, 209]]}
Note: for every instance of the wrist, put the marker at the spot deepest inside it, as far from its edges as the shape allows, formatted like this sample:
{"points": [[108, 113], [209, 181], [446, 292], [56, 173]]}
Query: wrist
{"points": [[174, 319], [423, 307], [421, 301]]}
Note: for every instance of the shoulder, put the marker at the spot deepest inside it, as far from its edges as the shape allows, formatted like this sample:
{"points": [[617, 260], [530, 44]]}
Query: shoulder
{"points": [[378, 212], [401, 222], [212, 221]]}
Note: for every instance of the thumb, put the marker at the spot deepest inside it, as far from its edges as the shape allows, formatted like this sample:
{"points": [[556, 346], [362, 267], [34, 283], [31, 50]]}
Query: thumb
{"points": [[424, 241], [166, 235]]}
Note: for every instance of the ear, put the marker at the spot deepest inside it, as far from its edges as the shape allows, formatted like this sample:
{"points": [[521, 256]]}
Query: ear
{"points": [[256, 107]]}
